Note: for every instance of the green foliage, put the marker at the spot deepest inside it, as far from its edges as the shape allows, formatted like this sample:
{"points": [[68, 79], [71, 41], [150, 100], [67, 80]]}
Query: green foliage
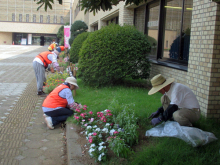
{"points": [[61, 41], [76, 46], [77, 28], [113, 53]]}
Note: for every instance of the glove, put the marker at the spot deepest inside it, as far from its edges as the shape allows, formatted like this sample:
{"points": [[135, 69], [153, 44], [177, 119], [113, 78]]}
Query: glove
{"points": [[168, 113], [60, 72], [156, 114], [155, 121]]}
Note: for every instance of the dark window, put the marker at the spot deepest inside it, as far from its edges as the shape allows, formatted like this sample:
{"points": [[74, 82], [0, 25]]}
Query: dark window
{"points": [[95, 27], [13, 17], [34, 18], [27, 17], [48, 19], [20, 17], [61, 19], [55, 19], [113, 20], [167, 26], [41, 18]]}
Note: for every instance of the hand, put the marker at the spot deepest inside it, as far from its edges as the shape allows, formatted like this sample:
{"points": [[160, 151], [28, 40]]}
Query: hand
{"points": [[155, 121], [156, 114]]}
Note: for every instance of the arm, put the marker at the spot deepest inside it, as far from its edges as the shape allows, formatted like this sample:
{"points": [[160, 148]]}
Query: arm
{"points": [[168, 113]]}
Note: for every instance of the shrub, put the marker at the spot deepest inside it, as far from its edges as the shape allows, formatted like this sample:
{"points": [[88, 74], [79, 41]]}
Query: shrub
{"points": [[76, 46], [113, 53]]}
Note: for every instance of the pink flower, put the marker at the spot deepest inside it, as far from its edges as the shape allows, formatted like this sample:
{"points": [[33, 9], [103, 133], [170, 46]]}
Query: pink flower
{"points": [[94, 133], [85, 124], [85, 106], [108, 111], [90, 140], [108, 114], [90, 112], [116, 132], [111, 124], [77, 110], [91, 120], [84, 109]]}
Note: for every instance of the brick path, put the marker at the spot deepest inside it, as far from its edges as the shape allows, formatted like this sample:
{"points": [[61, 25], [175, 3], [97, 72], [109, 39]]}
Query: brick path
{"points": [[24, 137]]}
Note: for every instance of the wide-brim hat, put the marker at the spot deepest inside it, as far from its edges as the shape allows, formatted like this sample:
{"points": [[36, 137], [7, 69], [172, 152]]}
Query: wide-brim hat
{"points": [[158, 82], [72, 81]]}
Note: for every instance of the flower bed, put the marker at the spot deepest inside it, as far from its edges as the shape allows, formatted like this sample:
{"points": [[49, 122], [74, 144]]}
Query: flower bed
{"points": [[104, 130]]}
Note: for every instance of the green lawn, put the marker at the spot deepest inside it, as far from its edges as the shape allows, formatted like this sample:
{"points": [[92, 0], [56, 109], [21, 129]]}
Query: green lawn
{"points": [[155, 151]]}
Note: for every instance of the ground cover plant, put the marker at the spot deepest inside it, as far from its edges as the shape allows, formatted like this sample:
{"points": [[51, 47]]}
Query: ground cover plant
{"points": [[148, 150]]}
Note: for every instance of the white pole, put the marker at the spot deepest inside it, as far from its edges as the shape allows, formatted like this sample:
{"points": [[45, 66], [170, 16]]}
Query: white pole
{"points": [[70, 12]]}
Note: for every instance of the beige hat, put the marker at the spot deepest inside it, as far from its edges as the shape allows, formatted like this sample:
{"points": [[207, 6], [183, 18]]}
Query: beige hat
{"points": [[158, 82], [72, 81]]}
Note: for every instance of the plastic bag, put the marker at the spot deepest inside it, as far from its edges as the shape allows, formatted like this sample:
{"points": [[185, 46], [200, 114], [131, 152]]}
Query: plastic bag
{"points": [[194, 136]]}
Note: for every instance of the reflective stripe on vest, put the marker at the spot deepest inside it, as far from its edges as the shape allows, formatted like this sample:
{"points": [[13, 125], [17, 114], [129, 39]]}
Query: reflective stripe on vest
{"points": [[43, 57], [53, 100]]}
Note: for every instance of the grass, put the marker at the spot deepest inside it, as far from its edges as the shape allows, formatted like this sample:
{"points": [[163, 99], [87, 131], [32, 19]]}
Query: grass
{"points": [[155, 151]]}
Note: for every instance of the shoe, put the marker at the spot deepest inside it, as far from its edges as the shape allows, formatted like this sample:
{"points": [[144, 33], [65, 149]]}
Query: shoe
{"points": [[41, 93], [44, 115], [48, 121]]}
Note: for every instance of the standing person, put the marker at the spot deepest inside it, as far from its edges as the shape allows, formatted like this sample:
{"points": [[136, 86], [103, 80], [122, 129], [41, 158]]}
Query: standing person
{"points": [[56, 106], [40, 63], [52, 46], [179, 103]]}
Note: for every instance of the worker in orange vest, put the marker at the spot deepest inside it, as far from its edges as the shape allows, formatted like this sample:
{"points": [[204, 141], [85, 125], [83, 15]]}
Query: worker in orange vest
{"points": [[62, 48], [58, 104], [40, 63], [52, 46]]}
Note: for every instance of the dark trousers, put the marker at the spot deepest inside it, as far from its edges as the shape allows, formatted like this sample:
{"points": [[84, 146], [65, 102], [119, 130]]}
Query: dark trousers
{"points": [[59, 115]]}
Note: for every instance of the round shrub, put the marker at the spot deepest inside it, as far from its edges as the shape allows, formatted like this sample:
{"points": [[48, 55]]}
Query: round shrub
{"points": [[76, 46], [113, 53]]}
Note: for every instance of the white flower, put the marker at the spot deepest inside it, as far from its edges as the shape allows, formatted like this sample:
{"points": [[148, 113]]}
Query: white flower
{"points": [[101, 143], [89, 127], [107, 124], [92, 145], [100, 156], [119, 130], [90, 134], [86, 132], [100, 135], [91, 150], [101, 147], [95, 126], [105, 130], [97, 130], [112, 131]]}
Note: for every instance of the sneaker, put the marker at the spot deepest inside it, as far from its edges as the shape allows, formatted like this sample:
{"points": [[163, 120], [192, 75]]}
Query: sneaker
{"points": [[41, 93], [44, 115], [49, 123]]}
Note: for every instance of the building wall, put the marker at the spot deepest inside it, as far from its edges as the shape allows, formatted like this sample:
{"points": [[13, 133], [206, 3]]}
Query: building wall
{"points": [[5, 38], [29, 27]]}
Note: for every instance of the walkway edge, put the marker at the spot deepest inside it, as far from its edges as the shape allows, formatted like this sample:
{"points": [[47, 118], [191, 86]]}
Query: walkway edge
{"points": [[73, 148]]}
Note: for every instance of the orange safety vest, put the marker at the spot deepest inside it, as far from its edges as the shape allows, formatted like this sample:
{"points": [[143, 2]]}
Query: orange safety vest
{"points": [[43, 57], [52, 45], [53, 100], [62, 48]]}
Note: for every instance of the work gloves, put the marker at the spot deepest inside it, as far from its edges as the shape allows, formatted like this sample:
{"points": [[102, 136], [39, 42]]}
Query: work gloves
{"points": [[155, 121], [157, 113]]}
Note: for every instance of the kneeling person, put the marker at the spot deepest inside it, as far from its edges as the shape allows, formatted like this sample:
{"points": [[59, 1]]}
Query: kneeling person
{"points": [[58, 104]]}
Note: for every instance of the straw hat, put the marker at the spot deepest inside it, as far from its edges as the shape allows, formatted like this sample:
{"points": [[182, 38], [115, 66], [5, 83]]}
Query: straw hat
{"points": [[158, 82], [72, 81]]}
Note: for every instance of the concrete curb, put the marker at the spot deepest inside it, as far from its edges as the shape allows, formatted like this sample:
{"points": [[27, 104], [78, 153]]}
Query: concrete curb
{"points": [[73, 148]]}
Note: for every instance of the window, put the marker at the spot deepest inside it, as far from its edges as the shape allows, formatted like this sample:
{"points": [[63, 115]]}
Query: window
{"points": [[13, 17], [167, 25], [113, 20], [34, 18], [95, 27], [61, 19], [20, 17], [55, 19], [48, 19], [27, 17], [41, 18]]}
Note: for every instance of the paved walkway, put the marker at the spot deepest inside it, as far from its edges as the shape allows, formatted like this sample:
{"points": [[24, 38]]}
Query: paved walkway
{"points": [[24, 137]]}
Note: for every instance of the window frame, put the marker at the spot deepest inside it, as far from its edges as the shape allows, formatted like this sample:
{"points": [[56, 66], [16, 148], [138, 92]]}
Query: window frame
{"points": [[158, 59]]}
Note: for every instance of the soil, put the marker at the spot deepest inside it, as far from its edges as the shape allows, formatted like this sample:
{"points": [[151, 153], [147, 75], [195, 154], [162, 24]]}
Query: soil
{"points": [[87, 160]]}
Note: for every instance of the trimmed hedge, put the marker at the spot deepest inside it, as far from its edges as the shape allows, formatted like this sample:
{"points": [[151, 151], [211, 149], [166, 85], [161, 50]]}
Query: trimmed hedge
{"points": [[113, 53], [76, 46]]}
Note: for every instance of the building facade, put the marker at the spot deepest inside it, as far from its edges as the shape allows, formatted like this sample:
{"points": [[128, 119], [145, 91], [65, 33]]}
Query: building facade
{"points": [[184, 36], [22, 24]]}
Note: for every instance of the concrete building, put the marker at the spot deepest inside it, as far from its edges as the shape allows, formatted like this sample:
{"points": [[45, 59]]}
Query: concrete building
{"points": [[185, 37], [21, 23]]}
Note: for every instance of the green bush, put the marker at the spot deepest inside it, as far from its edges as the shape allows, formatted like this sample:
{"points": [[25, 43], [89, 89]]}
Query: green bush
{"points": [[113, 53], [76, 46]]}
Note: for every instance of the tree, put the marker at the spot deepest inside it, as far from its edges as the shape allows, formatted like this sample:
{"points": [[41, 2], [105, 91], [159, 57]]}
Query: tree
{"points": [[77, 28], [90, 5]]}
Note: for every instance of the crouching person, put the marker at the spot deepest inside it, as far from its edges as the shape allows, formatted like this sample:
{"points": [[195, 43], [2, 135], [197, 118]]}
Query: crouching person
{"points": [[58, 104]]}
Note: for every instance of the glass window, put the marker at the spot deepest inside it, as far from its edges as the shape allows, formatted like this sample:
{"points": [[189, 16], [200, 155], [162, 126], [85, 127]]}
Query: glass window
{"points": [[20, 17], [41, 18], [61, 19], [27, 17], [48, 19], [13, 17], [153, 27], [34, 18], [55, 19]]}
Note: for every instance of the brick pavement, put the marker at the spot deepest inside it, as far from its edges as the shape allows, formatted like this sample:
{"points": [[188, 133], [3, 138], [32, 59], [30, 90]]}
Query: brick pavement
{"points": [[24, 137]]}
